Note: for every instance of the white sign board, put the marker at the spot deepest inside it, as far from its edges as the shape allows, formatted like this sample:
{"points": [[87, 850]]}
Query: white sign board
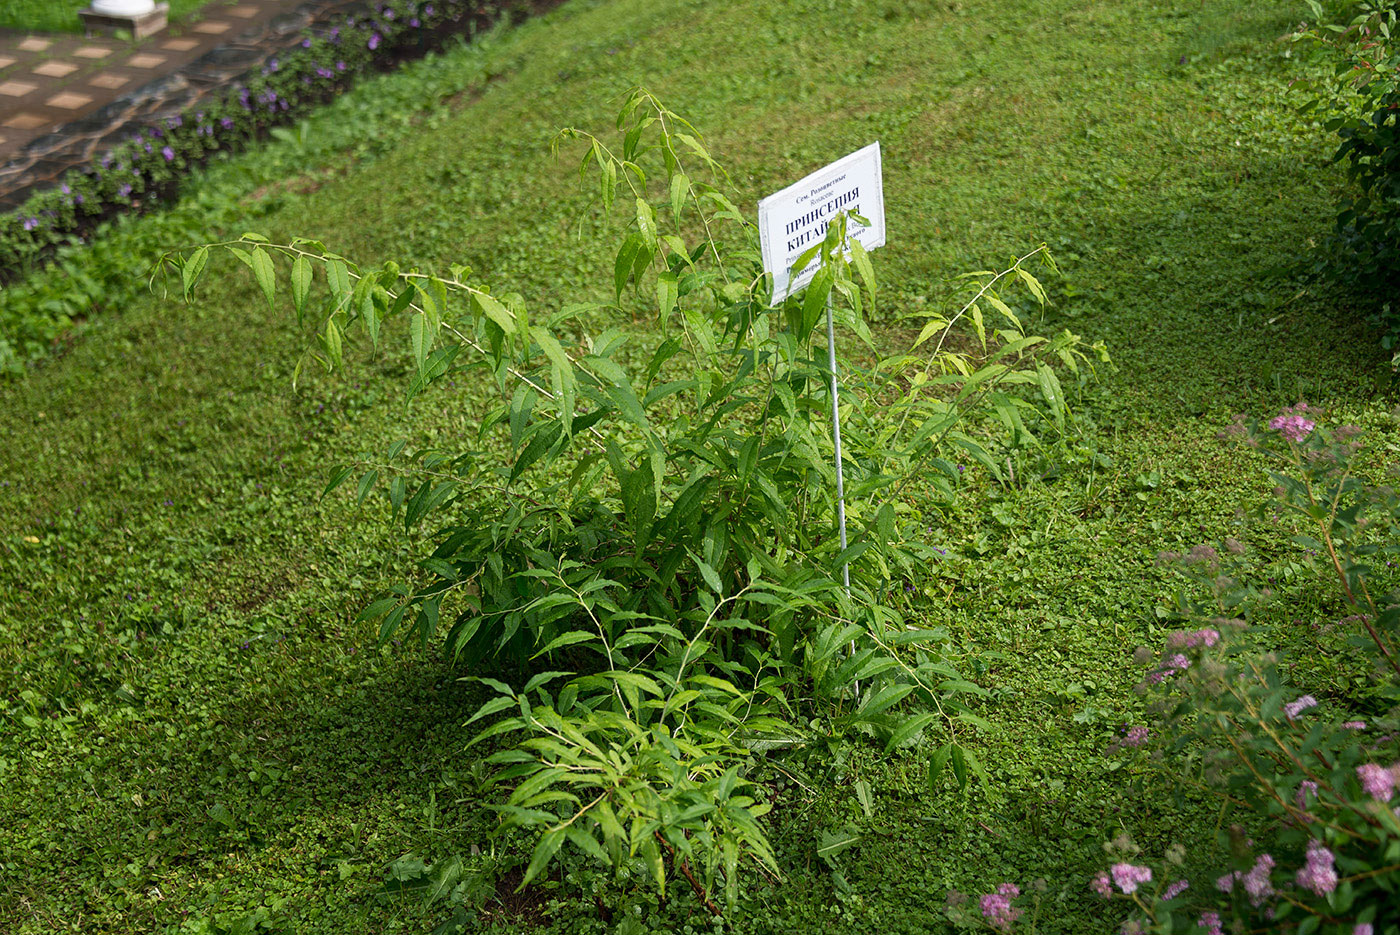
{"points": [[795, 219]]}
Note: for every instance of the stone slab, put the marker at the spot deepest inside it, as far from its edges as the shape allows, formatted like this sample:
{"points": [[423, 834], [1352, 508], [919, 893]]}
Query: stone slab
{"points": [[145, 60], [109, 80], [69, 100], [25, 121], [55, 69]]}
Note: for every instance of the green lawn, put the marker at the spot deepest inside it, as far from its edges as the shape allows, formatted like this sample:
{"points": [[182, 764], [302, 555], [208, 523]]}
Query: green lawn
{"points": [[194, 735], [62, 15]]}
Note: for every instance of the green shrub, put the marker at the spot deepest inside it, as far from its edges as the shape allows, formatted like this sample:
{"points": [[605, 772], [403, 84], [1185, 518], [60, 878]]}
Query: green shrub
{"points": [[1361, 104], [648, 515]]}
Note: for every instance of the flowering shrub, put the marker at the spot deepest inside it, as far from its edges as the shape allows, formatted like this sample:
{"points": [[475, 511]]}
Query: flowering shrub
{"points": [[148, 167], [1318, 847]]}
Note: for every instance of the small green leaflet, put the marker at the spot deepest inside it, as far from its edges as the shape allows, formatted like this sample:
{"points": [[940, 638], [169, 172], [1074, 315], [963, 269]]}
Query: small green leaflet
{"points": [[417, 333], [264, 272], [495, 311], [193, 267], [338, 278], [301, 283]]}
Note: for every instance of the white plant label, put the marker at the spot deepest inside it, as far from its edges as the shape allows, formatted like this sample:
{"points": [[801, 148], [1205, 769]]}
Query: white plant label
{"points": [[796, 218]]}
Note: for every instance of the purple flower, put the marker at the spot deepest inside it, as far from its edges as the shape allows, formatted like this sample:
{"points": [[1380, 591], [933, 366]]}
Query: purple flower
{"points": [[65, 189], [1180, 639], [1175, 889], [1378, 782], [226, 123], [1129, 877], [175, 122], [997, 908], [1295, 428], [306, 43], [374, 41], [1101, 885], [415, 23], [1363, 928], [339, 66], [1307, 789], [1173, 665], [1136, 736], [335, 34], [31, 223], [428, 10], [1354, 725], [1257, 883], [124, 191], [1318, 874], [78, 199], [1210, 921], [168, 153], [1295, 708]]}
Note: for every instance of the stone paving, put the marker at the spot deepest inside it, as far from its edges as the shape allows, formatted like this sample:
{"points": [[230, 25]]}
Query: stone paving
{"points": [[64, 98]]}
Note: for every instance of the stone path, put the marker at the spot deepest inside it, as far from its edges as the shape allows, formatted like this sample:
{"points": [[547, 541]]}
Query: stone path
{"points": [[64, 99]]}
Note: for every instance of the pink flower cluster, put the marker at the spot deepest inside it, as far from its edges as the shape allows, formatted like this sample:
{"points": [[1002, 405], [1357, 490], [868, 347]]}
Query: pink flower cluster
{"points": [[1170, 667], [1307, 789], [1101, 885], [1256, 882], [1295, 708], [1318, 874], [1293, 424], [1379, 782], [1136, 736], [1210, 921], [1180, 639], [1129, 878], [997, 908], [1175, 889]]}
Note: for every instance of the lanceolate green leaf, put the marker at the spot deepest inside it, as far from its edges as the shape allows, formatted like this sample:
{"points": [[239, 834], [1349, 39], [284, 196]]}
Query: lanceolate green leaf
{"points": [[192, 269], [301, 282], [265, 274]]}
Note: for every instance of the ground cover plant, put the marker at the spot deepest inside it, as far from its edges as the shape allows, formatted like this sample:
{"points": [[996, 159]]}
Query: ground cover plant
{"points": [[199, 737]]}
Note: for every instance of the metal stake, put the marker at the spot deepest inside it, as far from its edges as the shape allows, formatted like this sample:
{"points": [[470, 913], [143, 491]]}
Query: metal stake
{"points": [[836, 436]]}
